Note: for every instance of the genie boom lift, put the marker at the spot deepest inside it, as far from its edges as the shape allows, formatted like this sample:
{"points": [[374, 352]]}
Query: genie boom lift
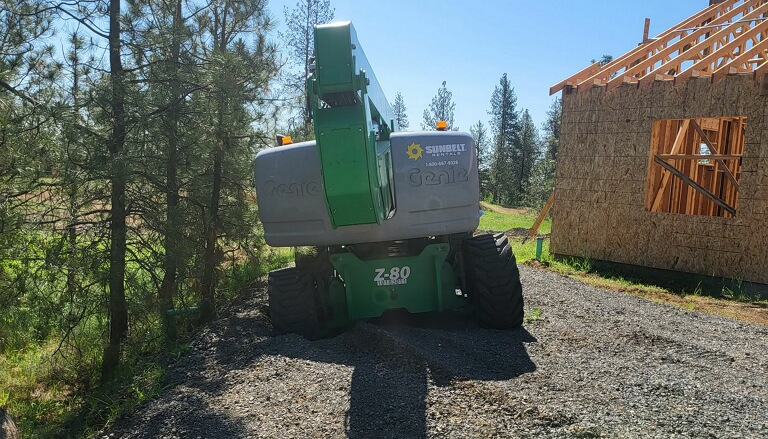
{"points": [[381, 219]]}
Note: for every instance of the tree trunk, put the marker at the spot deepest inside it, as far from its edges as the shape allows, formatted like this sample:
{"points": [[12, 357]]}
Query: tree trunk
{"points": [[172, 236], [118, 310], [208, 304], [211, 220]]}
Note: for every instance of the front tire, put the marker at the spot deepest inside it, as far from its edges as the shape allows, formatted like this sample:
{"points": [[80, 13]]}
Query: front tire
{"points": [[493, 281]]}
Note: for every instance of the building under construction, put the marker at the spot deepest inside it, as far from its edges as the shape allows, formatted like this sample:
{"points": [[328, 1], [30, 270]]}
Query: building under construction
{"points": [[663, 160]]}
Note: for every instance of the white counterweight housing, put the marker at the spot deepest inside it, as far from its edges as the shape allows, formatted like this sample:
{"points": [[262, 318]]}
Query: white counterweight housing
{"points": [[435, 185]]}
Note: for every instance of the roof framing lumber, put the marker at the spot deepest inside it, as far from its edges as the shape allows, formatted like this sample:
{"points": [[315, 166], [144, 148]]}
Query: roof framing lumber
{"points": [[703, 50], [725, 38], [726, 51]]}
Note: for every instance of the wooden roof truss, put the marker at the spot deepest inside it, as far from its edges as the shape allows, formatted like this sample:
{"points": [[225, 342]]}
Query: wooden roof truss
{"points": [[729, 37]]}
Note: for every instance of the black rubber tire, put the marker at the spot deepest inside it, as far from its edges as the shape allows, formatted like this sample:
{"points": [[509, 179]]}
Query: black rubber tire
{"points": [[292, 303], [316, 261], [493, 281]]}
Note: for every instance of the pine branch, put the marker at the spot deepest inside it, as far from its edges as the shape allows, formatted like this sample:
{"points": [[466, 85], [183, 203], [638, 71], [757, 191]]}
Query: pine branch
{"points": [[18, 93]]}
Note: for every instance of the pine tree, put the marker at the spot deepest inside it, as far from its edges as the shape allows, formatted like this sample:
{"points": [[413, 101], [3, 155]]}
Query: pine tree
{"points": [[552, 129], [238, 73], [528, 154], [441, 108], [165, 35], [119, 175], [505, 127], [300, 41], [480, 134], [541, 182], [26, 137], [399, 108], [542, 178]]}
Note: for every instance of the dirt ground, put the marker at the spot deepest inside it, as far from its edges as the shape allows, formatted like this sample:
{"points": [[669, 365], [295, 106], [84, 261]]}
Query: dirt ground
{"points": [[505, 210]]}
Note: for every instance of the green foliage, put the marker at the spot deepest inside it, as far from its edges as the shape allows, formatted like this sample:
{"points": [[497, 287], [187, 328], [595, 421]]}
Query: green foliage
{"points": [[525, 156], [505, 128], [482, 144], [552, 129], [188, 111], [299, 40], [441, 108], [540, 184], [400, 110], [533, 315]]}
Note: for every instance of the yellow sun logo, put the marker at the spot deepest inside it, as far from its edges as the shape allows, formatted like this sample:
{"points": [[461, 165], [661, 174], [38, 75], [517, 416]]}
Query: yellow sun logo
{"points": [[414, 151]]}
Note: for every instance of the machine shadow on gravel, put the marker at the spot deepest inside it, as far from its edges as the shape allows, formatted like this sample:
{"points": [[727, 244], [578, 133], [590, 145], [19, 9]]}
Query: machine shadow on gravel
{"points": [[443, 349], [394, 361]]}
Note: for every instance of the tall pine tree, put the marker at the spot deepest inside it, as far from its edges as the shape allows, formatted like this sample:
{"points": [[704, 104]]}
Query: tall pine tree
{"points": [[505, 128], [399, 108], [242, 63], [552, 128], [527, 154], [542, 178], [482, 144], [441, 108], [300, 41]]}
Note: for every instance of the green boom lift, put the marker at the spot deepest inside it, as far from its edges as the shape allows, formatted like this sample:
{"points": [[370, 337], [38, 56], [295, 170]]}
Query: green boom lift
{"points": [[384, 219]]}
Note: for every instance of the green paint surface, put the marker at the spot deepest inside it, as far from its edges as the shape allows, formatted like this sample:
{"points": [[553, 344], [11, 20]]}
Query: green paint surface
{"points": [[418, 284]]}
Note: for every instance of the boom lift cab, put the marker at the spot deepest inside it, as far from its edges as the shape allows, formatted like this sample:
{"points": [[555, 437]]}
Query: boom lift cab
{"points": [[388, 216]]}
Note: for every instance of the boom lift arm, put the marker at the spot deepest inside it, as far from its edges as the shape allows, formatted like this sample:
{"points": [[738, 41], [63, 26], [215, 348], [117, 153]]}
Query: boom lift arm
{"points": [[353, 122]]}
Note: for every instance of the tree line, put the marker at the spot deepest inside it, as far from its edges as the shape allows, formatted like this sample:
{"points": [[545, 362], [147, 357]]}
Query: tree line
{"points": [[127, 130]]}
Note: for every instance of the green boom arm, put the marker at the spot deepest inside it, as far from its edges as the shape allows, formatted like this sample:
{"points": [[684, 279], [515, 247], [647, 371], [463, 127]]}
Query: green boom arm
{"points": [[353, 121]]}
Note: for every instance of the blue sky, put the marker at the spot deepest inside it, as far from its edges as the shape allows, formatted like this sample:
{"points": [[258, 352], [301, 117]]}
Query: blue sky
{"points": [[415, 45]]}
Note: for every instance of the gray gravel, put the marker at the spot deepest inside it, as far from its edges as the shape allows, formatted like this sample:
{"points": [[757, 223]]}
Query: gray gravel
{"points": [[594, 364]]}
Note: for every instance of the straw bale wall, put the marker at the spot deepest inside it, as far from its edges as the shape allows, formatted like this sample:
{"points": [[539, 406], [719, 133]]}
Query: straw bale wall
{"points": [[602, 172]]}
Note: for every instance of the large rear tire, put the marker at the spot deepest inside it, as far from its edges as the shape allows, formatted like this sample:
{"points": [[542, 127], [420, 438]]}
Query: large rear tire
{"points": [[493, 281], [292, 303]]}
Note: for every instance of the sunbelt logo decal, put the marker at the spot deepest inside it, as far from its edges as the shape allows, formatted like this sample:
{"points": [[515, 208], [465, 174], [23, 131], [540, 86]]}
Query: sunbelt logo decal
{"points": [[414, 151]]}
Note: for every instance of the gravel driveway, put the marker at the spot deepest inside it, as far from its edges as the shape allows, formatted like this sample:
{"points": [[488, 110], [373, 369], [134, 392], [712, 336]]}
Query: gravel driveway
{"points": [[595, 363]]}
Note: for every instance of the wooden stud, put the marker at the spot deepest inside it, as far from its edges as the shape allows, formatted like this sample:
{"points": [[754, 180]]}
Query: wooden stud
{"points": [[713, 149], [696, 186], [665, 179], [700, 156]]}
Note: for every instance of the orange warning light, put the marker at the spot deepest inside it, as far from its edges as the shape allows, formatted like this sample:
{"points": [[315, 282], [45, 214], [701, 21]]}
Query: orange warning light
{"points": [[442, 125], [283, 140]]}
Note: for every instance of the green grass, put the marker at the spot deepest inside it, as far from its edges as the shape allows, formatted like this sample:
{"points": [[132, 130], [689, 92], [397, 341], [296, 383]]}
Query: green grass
{"points": [[501, 222]]}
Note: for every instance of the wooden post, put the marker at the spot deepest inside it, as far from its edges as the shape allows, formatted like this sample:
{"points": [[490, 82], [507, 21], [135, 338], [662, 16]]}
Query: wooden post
{"points": [[647, 30], [543, 214]]}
